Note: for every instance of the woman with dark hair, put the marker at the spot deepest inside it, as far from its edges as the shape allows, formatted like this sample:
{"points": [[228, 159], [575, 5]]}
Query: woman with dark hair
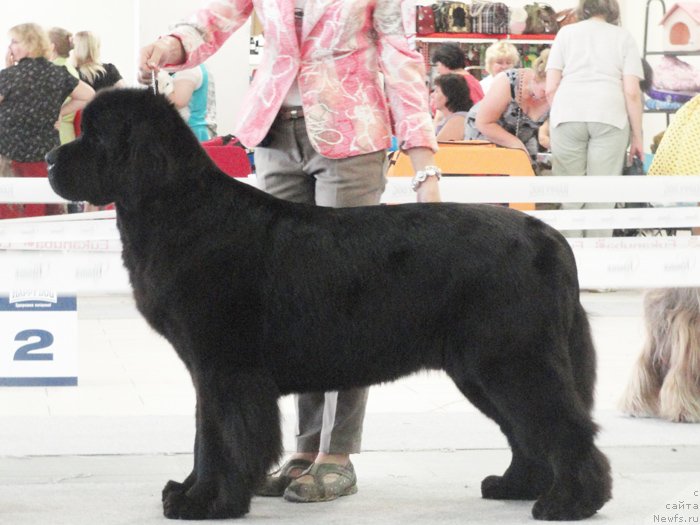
{"points": [[594, 60], [451, 98], [449, 58]]}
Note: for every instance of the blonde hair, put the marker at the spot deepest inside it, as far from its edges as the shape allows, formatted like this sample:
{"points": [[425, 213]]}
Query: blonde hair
{"points": [[86, 55], [62, 41], [539, 66], [33, 38], [609, 9], [499, 50]]}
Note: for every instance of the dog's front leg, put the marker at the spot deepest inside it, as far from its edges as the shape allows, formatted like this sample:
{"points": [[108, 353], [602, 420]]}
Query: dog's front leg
{"points": [[679, 398], [175, 487], [238, 440]]}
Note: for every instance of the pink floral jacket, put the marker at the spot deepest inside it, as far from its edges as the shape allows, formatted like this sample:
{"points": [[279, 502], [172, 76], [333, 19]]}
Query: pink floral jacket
{"points": [[358, 71]]}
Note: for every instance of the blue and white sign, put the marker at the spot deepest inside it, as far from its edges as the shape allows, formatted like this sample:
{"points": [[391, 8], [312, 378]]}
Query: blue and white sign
{"points": [[38, 339]]}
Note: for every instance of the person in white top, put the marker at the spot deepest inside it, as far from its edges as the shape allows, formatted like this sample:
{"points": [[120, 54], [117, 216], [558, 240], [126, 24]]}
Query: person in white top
{"points": [[593, 76]]}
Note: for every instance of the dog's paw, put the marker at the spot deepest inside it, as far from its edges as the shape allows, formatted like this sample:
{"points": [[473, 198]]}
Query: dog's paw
{"points": [[199, 504], [172, 487], [554, 509], [580, 496], [498, 487]]}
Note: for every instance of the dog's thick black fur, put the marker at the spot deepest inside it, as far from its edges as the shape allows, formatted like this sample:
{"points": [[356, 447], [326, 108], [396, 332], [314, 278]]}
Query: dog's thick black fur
{"points": [[261, 297]]}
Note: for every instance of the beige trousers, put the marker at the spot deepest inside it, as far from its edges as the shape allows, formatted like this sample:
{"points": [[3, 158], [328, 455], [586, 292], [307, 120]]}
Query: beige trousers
{"points": [[588, 148], [289, 168]]}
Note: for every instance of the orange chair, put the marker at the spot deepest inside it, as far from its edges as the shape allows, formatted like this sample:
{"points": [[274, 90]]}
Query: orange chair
{"points": [[472, 157]]}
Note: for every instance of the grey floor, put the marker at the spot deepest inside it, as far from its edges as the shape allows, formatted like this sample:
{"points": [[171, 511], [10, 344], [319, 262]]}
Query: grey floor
{"points": [[101, 452]]}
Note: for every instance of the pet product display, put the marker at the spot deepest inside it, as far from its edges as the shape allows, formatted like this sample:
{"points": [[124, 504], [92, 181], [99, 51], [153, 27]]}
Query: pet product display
{"points": [[541, 19], [452, 17], [425, 19], [489, 17], [673, 74], [518, 20], [670, 96]]}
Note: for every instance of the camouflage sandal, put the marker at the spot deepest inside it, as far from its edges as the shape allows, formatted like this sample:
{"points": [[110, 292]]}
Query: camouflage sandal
{"points": [[276, 483], [344, 484]]}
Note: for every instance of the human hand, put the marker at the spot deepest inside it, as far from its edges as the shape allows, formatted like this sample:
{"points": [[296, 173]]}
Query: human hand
{"points": [[167, 50], [636, 149], [429, 190]]}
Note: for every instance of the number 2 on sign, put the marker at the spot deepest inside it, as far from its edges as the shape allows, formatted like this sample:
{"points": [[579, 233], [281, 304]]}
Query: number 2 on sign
{"points": [[28, 352]]}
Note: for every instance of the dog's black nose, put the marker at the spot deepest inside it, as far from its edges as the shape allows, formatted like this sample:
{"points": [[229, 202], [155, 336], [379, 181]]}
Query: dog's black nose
{"points": [[51, 156]]}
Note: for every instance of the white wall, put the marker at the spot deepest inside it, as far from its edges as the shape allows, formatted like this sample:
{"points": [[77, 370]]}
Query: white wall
{"points": [[125, 25]]}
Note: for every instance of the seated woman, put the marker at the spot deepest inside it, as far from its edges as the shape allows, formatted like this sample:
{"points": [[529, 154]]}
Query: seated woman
{"points": [[513, 110], [451, 98], [500, 56]]}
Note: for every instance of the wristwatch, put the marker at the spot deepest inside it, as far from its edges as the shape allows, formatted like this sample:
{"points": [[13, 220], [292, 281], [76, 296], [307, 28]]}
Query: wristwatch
{"points": [[422, 175]]}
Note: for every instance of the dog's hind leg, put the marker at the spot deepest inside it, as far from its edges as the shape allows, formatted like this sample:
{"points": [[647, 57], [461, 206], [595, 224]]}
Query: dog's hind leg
{"points": [[238, 441], [535, 392], [526, 478]]}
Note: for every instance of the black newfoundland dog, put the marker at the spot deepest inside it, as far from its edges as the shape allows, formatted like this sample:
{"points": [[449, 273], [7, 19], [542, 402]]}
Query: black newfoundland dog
{"points": [[261, 297]]}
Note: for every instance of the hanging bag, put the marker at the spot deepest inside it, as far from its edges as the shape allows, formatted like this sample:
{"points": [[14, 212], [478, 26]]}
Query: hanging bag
{"points": [[229, 155], [491, 18], [452, 17], [541, 19], [566, 17], [425, 20]]}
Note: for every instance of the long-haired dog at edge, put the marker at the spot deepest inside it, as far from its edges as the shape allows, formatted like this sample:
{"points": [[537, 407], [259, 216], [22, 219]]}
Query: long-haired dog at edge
{"points": [[262, 297], [665, 381]]}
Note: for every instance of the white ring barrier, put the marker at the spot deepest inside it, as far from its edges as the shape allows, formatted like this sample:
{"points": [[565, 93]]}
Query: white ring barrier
{"points": [[554, 189], [27, 190], [640, 218], [81, 252]]}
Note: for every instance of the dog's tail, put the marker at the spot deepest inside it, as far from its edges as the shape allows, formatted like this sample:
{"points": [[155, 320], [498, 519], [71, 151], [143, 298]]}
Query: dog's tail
{"points": [[582, 355]]}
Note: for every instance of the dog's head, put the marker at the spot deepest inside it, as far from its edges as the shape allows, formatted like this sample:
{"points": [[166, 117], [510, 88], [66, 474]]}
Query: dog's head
{"points": [[134, 146]]}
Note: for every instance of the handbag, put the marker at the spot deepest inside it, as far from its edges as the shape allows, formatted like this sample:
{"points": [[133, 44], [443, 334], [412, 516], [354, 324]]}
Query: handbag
{"points": [[491, 18], [518, 20], [566, 17], [425, 19], [635, 169], [541, 19], [452, 17], [229, 155]]}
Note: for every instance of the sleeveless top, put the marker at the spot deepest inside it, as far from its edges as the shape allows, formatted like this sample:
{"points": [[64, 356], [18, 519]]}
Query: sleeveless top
{"points": [[512, 119], [439, 127], [198, 108]]}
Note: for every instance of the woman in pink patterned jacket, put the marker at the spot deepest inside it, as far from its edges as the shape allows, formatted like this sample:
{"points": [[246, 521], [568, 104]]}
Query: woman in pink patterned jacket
{"points": [[338, 78]]}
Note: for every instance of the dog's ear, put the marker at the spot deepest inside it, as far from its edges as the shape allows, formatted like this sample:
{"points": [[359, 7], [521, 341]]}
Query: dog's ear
{"points": [[163, 154]]}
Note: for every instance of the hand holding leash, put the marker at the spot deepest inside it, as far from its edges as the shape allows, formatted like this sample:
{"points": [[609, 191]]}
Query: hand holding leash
{"points": [[163, 52]]}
